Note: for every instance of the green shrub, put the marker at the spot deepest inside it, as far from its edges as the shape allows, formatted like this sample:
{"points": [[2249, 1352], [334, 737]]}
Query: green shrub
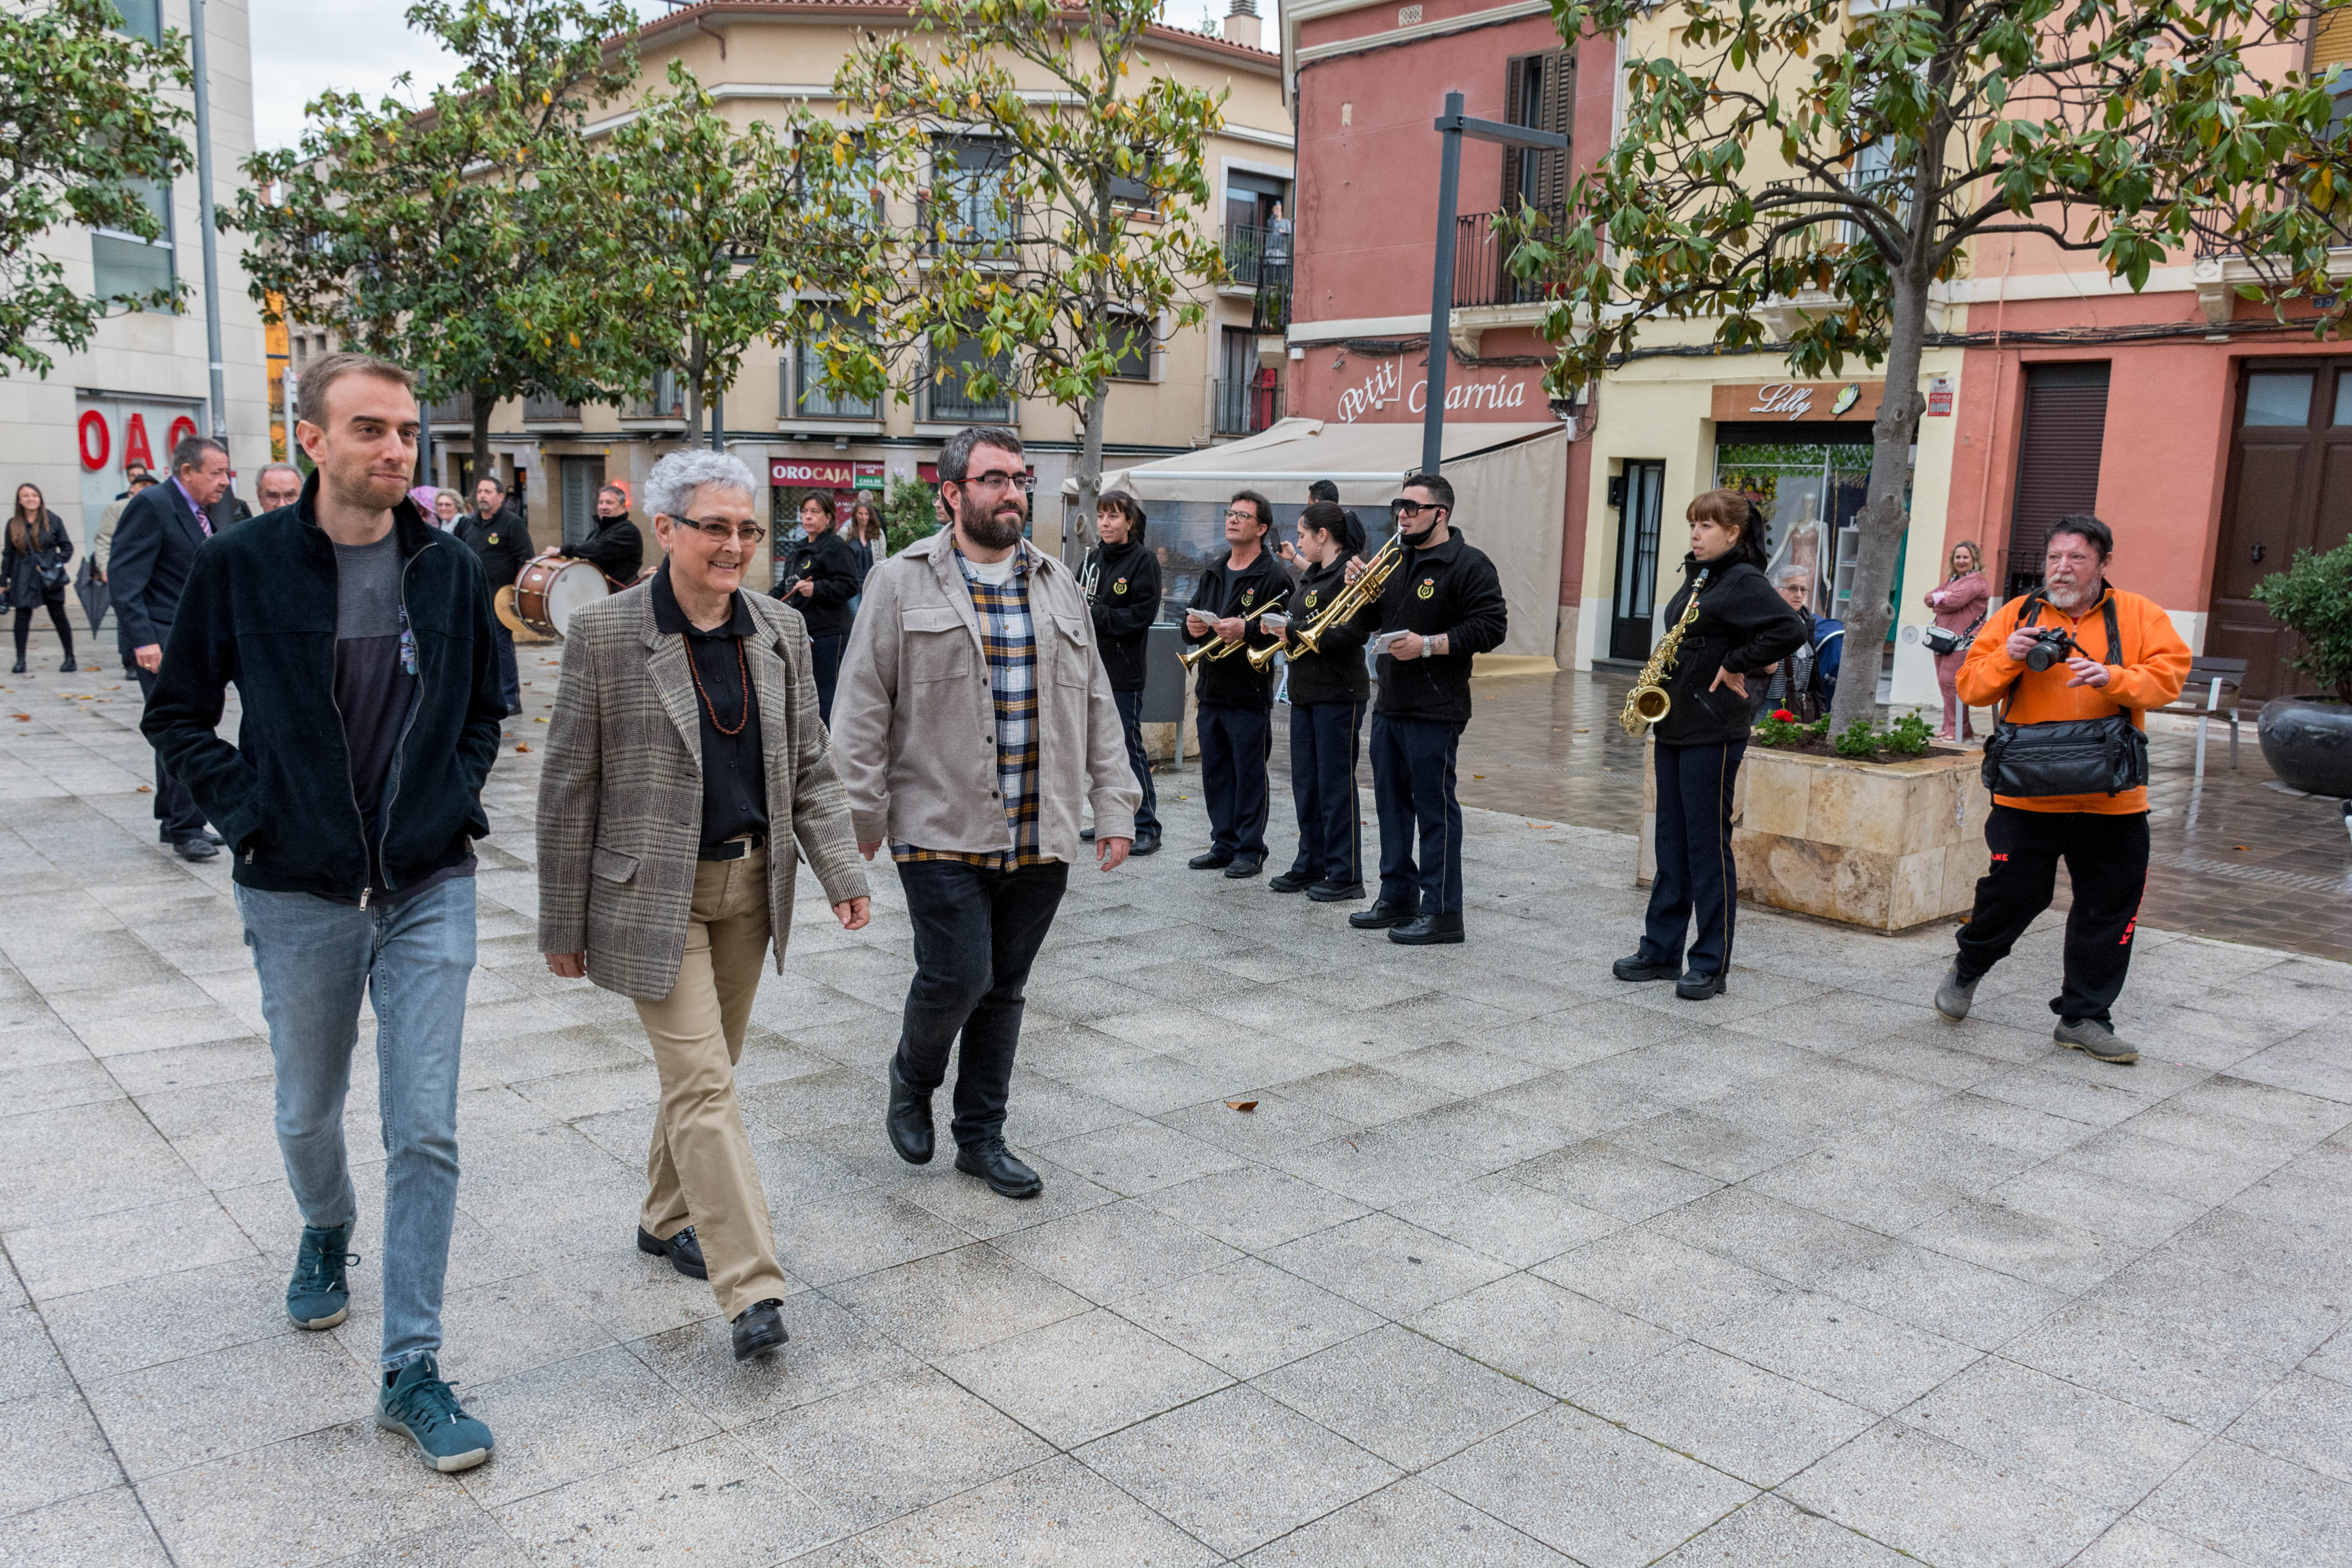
{"points": [[909, 513], [2313, 598], [1861, 739], [1909, 736]]}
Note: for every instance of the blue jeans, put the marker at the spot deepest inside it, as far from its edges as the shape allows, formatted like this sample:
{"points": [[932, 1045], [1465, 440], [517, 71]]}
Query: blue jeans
{"points": [[510, 675], [316, 958]]}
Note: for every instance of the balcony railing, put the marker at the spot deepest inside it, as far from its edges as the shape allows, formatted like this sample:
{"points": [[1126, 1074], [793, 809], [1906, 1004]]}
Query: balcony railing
{"points": [[1246, 406], [1258, 259], [538, 410], [665, 399], [1481, 273], [804, 392], [949, 404], [453, 411]]}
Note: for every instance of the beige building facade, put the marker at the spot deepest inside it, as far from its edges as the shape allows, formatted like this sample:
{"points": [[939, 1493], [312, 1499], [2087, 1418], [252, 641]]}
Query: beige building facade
{"points": [[1221, 380]]}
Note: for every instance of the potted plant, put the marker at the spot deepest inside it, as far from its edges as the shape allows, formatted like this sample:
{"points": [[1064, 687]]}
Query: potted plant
{"points": [[2307, 738]]}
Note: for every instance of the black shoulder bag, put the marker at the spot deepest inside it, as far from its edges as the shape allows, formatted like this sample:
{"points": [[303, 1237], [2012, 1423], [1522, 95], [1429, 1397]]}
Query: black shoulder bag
{"points": [[2066, 756]]}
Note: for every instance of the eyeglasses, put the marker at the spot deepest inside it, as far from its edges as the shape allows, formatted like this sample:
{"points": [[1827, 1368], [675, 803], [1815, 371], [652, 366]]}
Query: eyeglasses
{"points": [[1248, 514], [996, 480], [1404, 509], [720, 533]]}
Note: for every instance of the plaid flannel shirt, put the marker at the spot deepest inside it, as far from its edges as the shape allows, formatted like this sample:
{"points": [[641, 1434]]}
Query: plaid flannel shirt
{"points": [[1010, 638]]}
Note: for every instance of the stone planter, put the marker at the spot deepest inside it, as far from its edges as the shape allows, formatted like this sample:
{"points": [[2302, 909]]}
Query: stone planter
{"points": [[2307, 741], [1887, 846]]}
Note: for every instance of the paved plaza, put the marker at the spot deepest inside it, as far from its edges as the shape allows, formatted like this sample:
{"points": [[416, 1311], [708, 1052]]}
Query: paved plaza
{"points": [[1348, 1256]]}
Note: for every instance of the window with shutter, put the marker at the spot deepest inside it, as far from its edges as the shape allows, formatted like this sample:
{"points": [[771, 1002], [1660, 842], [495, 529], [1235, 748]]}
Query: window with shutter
{"points": [[1539, 93], [2057, 459]]}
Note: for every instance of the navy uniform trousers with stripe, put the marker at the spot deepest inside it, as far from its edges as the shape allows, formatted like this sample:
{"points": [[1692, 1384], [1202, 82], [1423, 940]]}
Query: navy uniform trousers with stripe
{"points": [[1325, 740], [1696, 886], [1413, 791]]}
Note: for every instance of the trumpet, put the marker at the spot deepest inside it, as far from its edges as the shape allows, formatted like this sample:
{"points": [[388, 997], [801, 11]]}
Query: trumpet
{"points": [[1218, 647], [1648, 702], [1350, 598]]}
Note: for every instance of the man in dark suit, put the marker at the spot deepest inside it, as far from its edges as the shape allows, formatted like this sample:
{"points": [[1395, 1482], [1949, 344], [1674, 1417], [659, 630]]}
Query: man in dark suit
{"points": [[155, 544], [495, 528]]}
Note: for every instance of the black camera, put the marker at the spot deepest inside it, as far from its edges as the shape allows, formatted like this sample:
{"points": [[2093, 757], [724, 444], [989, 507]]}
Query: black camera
{"points": [[2051, 646]]}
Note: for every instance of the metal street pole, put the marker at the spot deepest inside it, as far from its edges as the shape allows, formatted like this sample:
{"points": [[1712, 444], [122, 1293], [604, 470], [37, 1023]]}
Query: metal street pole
{"points": [[205, 219], [717, 419], [1454, 125]]}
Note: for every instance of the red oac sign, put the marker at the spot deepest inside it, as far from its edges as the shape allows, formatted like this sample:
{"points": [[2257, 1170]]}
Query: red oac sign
{"points": [[96, 437]]}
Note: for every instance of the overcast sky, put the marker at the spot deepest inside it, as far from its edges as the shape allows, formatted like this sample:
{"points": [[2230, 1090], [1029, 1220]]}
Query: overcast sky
{"points": [[300, 47]]}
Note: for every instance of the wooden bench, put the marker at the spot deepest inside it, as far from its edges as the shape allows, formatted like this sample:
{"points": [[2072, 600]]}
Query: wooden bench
{"points": [[2201, 697]]}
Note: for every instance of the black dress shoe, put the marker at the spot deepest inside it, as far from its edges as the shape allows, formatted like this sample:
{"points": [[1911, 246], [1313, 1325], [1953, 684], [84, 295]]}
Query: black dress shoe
{"points": [[1428, 931], [1638, 968], [68, 667], [1381, 916], [215, 836], [1241, 868], [683, 1250], [1336, 892], [1290, 882], [1085, 836], [760, 1330], [20, 667], [993, 1163], [908, 1121], [1147, 841], [1210, 860], [1698, 986], [196, 848]]}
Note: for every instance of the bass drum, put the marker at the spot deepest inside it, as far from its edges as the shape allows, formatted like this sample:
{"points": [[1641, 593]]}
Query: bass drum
{"points": [[551, 587]]}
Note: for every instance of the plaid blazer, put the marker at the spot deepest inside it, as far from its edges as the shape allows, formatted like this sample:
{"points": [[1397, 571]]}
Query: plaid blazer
{"points": [[620, 793]]}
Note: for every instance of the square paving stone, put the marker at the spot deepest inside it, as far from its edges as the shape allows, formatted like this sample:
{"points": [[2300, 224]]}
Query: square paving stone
{"points": [[1756, 1425], [1236, 1469], [2032, 1424], [832, 1348], [1661, 1280], [890, 1446], [1406, 1398], [2254, 1508], [710, 1502], [1384, 1264], [1553, 1338], [2306, 1421], [1275, 1126], [476, 1543], [1710, 1145], [1771, 1532], [2052, 1253], [1768, 1235], [1074, 1381], [1119, 1250], [1379, 1166], [1507, 1220], [226, 1401], [166, 1316], [970, 1205], [1247, 1317], [1143, 1158], [1600, 1494], [1412, 1522], [575, 1418], [51, 1449], [2131, 1543], [1617, 1182], [1942, 1503], [1946, 1296], [1842, 1349], [955, 1302], [103, 1529], [857, 1232], [1058, 1514], [1255, 1208]]}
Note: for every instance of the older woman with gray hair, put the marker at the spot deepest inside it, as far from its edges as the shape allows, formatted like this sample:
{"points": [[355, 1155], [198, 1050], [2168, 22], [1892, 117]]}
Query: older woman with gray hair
{"points": [[656, 875], [1805, 682]]}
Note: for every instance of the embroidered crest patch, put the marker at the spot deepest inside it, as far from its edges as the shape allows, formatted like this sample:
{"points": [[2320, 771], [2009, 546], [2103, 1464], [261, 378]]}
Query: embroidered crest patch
{"points": [[1428, 586], [494, 539], [1119, 586], [1248, 595], [1311, 597]]}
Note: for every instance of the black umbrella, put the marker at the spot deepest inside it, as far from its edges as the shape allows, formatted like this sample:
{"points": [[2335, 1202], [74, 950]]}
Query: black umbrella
{"points": [[90, 588]]}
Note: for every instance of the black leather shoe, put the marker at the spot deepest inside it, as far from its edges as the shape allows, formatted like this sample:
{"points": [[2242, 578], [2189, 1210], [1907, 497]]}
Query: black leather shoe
{"points": [[1382, 915], [68, 667], [1336, 892], [1085, 836], [993, 1163], [1428, 931], [1698, 986], [760, 1330], [683, 1250], [1210, 860], [215, 836], [1147, 841], [908, 1121], [1290, 882], [20, 667], [196, 848], [1638, 968], [1241, 868]]}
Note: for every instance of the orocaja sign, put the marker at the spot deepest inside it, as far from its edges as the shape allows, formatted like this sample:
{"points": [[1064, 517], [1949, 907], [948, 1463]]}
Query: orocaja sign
{"points": [[830, 476]]}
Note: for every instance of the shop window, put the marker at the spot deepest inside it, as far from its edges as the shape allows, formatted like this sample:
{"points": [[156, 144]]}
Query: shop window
{"points": [[1812, 495], [127, 267]]}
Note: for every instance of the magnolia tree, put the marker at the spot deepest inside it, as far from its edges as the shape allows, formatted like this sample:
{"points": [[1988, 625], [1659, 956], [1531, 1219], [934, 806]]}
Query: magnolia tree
{"points": [[1774, 152], [1057, 192], [84, 138], [422, 232]]}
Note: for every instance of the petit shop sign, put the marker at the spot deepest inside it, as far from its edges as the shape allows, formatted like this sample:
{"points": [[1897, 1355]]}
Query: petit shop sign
{"points": [[827, 476], [1385, 385]]}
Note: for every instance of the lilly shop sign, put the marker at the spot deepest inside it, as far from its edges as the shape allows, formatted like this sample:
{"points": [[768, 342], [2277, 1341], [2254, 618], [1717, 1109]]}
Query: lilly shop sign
{"points": [[1385, 387]]}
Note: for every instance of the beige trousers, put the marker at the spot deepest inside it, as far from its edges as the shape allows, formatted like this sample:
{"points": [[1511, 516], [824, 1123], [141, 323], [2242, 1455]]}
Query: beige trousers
{"points": [[700, 1170]]}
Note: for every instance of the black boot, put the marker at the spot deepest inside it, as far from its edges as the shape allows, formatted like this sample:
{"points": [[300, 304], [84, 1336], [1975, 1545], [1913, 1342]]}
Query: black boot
{"points": [[1292, 882], [993, 1163], [760, 1330], [68, 667], [1381, 916], [1698, 986], [20, 665], [908, 1121], [1428, 931], [684, 1251], [1638, 969]]}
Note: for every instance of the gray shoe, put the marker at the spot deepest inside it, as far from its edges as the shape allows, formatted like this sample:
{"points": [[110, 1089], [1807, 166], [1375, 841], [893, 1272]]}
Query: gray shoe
{"points": [[2094, 1040], [1955, 996]]}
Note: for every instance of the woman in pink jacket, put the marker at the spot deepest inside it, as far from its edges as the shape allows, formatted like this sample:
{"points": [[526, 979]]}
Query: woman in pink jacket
{"points": [[1959, 603]]}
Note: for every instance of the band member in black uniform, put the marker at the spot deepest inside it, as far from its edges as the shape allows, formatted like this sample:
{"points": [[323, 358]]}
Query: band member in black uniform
{"points": [[1328, 689], [616, 548], [820, 578], [1742, 628], [1122, 583], [1235, 703], [1441, 604]]}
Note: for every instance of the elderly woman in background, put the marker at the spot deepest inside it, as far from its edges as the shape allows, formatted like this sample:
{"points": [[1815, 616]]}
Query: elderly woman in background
{"points": [[446, 508], [1804, 683], [659, 875], [1959, 603]]}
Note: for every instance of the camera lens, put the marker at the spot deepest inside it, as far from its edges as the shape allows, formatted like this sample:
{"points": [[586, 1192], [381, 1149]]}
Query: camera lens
{"points": [[2040, 657]]}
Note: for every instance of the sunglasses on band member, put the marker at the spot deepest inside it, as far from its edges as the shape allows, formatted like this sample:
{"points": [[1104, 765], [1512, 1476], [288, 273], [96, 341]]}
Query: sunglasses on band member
{"points": [[1401, 510], [750, 533]]}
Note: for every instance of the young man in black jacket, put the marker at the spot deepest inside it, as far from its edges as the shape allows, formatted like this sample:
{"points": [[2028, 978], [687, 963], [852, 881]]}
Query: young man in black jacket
{"points": [[495, 528], [1234, 703], [820, 578], [1441, 604], [360, 640], [1122, 583]]}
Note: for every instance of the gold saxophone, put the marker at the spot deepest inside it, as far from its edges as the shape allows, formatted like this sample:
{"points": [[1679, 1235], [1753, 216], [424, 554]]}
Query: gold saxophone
{"points": [[1350, 598], [1647, 703]]}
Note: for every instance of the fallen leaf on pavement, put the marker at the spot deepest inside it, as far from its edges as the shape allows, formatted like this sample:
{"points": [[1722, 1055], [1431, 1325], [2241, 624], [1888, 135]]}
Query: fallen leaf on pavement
{"points": [[22, 718], [520, 747], [1241, 1105]]}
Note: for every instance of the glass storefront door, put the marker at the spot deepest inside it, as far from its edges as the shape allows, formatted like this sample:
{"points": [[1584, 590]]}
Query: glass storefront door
{"points": [[1812, 495]]}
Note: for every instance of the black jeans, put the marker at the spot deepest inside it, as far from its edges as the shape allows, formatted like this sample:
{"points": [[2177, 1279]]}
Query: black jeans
{"points": [[1235, 745], [1130, 720], [1413, 791], [176, 808], [2106, 861], [825, 663], [976, 934], [510, 677], [57, 604], [1697, 885], [1324, 744]]}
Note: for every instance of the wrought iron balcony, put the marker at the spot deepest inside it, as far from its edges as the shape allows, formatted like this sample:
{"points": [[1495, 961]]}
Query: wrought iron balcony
{"points": [[1481, 274], [540, 410], [1247, 406], [665, 399], [453, 411]]}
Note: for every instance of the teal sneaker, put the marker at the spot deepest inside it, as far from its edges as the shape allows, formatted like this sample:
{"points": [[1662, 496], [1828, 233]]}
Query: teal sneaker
{"points": [[415, 1401], [317, 1297]]}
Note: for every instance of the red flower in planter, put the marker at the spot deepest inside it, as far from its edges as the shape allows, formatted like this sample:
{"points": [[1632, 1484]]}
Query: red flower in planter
{"points": [[1783, 715]]}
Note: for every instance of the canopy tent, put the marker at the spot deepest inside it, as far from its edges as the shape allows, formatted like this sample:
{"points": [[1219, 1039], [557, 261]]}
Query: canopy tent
{"points": [[1511, 489]]}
